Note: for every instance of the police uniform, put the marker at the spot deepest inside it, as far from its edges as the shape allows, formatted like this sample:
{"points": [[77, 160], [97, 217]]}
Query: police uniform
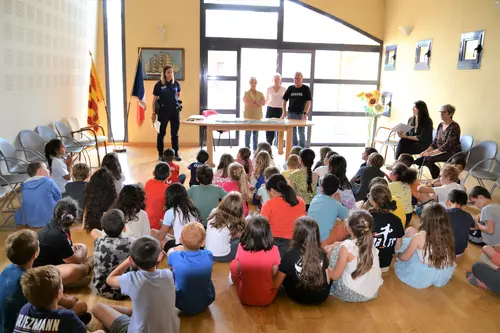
{"points": [[167, 111]]}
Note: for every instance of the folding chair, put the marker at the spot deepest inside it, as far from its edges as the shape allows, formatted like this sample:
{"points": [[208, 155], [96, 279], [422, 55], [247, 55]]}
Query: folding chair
{"points": [[33, 146], [389, 141], [88, 133], [487, 169]]}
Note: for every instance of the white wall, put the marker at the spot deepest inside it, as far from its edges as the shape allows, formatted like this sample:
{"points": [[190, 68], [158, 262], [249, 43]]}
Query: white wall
{"points": [[44, 61]]}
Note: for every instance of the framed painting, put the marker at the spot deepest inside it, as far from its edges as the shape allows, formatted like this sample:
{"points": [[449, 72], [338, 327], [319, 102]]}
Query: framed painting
{"points": [[423, 55], [390, 57], [471, 50], [386, 102], [154, 59]]}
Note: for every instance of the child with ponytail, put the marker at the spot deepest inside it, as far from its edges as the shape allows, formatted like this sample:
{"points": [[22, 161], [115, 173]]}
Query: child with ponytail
{"points": [[427, 255], [261, 163], [304, 180], [337, 165], [304, 267], [244, 159], [281, 210], [238, 183], [221, 175], [354, 264], [60, 168], [387, 228], [402, 177]]}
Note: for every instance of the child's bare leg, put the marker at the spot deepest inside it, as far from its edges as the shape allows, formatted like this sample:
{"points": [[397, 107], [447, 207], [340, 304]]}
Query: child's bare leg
{"points": [[71, 273], [96, 233], [490, 251], [107, 314], [80, 308]]}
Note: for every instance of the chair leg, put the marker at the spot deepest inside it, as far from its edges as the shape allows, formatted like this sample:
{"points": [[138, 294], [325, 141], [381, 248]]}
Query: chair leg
{"points": [[98, 155], [203, 136], [218, 141], [230, 143]]}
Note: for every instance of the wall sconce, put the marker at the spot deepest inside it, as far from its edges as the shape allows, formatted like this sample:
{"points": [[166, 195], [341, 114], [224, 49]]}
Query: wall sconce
{"points": [[162, 31], [406, 30], [497, 5]]}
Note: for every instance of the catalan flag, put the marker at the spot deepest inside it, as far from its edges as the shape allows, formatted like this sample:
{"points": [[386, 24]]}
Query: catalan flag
{"points": [[139, 92], [95, 96]]}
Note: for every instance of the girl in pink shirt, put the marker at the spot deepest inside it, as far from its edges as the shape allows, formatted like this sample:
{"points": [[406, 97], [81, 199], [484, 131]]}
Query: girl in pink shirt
{"points": [[238, 183]]}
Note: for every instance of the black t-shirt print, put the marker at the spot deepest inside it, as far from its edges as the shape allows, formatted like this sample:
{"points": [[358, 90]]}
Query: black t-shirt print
{"points": [[297, 97], [387, 228], [55, 245], [291, 266]]}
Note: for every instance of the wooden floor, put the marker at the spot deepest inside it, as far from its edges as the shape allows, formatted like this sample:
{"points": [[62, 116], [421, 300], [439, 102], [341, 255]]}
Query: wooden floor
{"points": [[457, 307]]}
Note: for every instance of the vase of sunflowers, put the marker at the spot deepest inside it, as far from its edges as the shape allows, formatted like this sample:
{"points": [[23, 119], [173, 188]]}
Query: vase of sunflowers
{"points": [[373, 109]]}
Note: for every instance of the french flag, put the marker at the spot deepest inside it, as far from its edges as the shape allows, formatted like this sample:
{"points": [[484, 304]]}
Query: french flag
{"points": [[139, 92]]}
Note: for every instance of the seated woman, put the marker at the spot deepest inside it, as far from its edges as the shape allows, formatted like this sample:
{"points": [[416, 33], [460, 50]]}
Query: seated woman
{"points": [[419, 138], [445, 144], [56, 247]]}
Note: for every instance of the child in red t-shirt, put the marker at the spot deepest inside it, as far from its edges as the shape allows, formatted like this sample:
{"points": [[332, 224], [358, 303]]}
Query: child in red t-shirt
{"points": [[155, 194], [256, 263], [175, 175]]}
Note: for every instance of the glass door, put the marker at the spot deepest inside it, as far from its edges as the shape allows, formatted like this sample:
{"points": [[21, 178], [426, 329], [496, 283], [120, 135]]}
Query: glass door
{"points": [[222, 85]]}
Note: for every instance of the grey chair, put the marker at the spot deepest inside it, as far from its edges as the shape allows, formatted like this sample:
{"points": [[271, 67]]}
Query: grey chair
{"points": [[8, 194], [8, 155], [33, 146], [65, 133], [484, 163], [88, 132], [389, 141]]}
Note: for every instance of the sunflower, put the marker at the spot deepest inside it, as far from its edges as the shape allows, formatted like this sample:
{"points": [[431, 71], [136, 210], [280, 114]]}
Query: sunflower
{"points": [[361, 94], [372, 102], [368, 95]]}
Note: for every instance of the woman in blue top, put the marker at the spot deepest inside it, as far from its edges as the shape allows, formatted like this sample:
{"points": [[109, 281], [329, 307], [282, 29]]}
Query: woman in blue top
{"points": [[167, 107]]}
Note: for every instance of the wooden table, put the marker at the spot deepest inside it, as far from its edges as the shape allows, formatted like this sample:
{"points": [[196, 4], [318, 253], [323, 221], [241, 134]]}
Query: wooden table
{"points": [[214, 123]]}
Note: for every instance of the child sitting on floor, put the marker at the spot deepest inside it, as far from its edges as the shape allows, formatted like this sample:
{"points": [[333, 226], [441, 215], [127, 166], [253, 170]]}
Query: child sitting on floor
{"points": [[100, 194], [364, 176], [354, 265], [206, 196], [151, 290], [110, 249], [408, 160], [387, 228], [401, 177], [201, 159], [76, 188], [111, 162], [21, 248], [292, 163], [262, 161], [175, 175], [43, 288], [256, 264], [224, 228], [244, 158], [193, 271], [262, 191], [40, 195], [222, 173], [304, 181], [60, 167], [459, 162], [155, 195], [461, 220], [264, 146], [180, 210], [337, 165], [295, 151], [322, 171], [399, 210], [366, 153], [488, 222], [131, 202], [326, 208], [322, 156], [239, 183], [304, 267], [448, 179], [427, 255]]}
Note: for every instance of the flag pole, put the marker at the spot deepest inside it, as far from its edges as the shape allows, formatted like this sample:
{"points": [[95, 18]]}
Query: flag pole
{"points": [[110, 130], [123, 149]]}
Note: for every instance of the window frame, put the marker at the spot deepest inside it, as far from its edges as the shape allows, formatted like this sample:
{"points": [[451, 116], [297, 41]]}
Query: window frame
{"points": [[472, 63]]}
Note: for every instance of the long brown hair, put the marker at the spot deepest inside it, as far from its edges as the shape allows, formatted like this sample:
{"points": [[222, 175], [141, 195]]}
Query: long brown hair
{"points": [[264, 146], [439, 242], [245, 154], [262, 161], [306, 239], [237, 173], [224, 162], [360, 222], [382, 197], [229, 214], [163, 76], [307, 158]]}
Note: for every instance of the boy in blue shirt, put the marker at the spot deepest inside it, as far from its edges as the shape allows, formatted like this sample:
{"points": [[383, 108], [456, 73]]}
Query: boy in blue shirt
{"points": [[40, 195], [326, 208], [43, 288], [201, 159], [151, 290], [193, 271]]}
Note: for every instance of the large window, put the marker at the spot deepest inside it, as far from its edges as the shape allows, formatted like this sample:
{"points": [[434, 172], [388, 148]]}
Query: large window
{"points": [[257, 38]]}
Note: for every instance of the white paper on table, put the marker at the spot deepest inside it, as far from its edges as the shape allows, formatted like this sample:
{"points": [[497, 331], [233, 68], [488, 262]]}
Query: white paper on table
{"points": [[157, 125], [402, 128]]}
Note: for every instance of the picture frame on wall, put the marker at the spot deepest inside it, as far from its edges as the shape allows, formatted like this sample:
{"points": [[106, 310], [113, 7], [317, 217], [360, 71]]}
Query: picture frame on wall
{"points": [[423, 54], [471, 50], [390, 57], [154, 59], [386, 102]]}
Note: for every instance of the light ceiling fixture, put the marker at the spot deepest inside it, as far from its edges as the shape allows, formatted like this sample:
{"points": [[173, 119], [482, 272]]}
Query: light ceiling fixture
{"points": [[497, 5], [406, 30]]}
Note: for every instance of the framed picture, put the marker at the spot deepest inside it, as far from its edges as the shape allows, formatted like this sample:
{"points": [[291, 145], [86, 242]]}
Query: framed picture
{"points": [[154, 59], [471, 50], [423, 55], [390, 57], [386, 102]]}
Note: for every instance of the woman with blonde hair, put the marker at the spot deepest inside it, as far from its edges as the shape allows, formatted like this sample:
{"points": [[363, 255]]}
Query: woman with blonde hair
{"points": [[254, 100], [167, 107]]}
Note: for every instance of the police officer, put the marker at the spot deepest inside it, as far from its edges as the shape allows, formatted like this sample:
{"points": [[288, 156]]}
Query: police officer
{"points": [[167, 108]]}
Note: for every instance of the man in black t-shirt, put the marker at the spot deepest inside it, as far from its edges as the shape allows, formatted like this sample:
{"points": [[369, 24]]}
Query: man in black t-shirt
{"points": [[299, 106]]}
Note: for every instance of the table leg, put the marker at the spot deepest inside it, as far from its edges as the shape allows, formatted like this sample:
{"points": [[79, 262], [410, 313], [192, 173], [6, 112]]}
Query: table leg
{"points": [[289, 141], [210, 146], [281, 137], [309, 133]]}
